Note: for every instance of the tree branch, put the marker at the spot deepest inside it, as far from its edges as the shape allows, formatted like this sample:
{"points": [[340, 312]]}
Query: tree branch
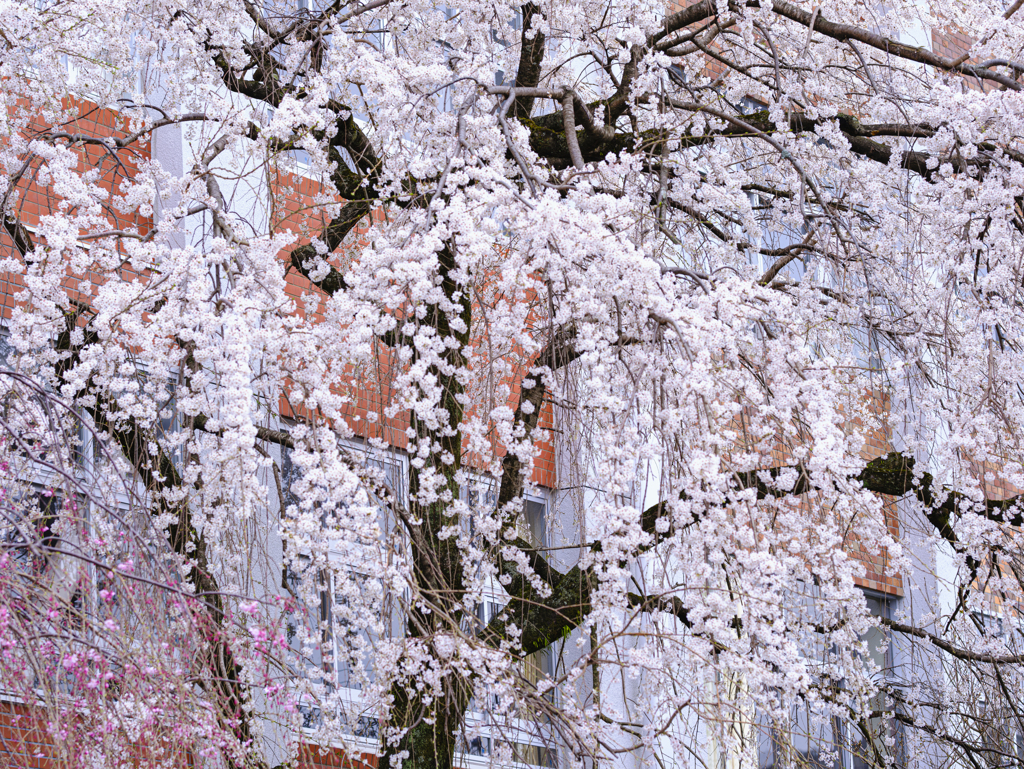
{"points": [[845, 32], [962, 654]]}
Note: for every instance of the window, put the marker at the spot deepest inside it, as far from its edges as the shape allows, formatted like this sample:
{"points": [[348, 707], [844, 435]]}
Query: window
{"points": [[483, 493], [877, 640], [352, 646], [540, 665], [535, 755], [989, 720], [377, 35], [536, 524], [534, 527], [30, 427], [324, 634], [28, 523], [481, 496], [529, 745], [515, 25], [1001, 738], [808, 741], [328, 643], [885, 734], [476, 746], [307, 629], [328, 629], [289, 477], [811, 739], [6, 348], [291, 474]]}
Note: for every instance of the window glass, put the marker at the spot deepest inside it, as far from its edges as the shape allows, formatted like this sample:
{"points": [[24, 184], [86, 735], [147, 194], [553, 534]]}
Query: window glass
{"points": [[535, 755], [28, 524], [535, 514], [808, 741], [306, 627], [884, 733], [876, 639], [352, 646], [477, 746], [328, 630], [6, 348]]}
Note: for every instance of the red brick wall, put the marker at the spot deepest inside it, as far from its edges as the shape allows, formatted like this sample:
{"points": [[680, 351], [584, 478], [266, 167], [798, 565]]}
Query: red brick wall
{"points": [[23, 743], [313, 757], [296, 209], [878, 444], [950, 42], [36, 201]]}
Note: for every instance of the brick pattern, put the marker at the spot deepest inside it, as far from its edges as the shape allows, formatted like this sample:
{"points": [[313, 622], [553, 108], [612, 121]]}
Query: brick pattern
{"points": [[27, 743], [993, 484], [877, 444], [314, 757], [950, 42], [91, 121], [35, 201], [298, 207], [24, 743], [712, 67], [876, 576]]}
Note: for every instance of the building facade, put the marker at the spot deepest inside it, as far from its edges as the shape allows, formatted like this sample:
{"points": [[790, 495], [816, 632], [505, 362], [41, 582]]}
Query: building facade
{"points": [[320, 579]]}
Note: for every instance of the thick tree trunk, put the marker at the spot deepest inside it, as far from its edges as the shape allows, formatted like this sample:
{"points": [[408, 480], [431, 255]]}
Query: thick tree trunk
{"points": [[436, 729], [433, 726]]}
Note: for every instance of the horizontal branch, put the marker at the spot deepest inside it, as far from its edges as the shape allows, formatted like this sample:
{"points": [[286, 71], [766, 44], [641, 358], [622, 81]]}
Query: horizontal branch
{"points": [[892, 474], [962, 654], [280, 437], [843, 32]]}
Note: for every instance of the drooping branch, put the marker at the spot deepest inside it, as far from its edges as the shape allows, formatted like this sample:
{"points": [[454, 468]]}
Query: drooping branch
{"points": [[892, 475], [541, 620], [160, 476], [559, 351]]}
